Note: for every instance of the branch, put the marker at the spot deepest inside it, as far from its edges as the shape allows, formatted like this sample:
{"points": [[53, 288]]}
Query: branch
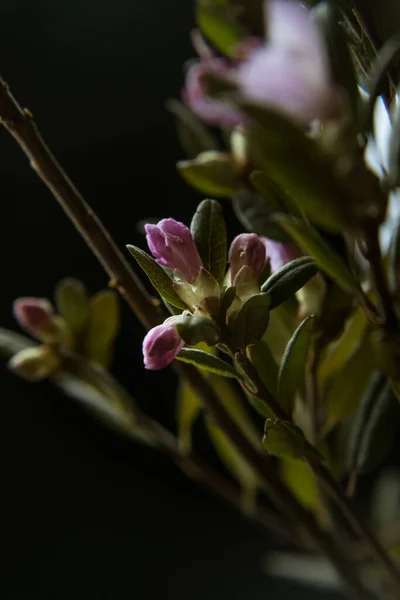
{"points": [[21, 126]]}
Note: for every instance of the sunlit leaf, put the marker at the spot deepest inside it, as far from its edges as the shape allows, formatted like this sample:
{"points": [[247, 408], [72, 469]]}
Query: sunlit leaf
{"points": [[207, 362], [158, 277], [212, 173], [289, 279]]}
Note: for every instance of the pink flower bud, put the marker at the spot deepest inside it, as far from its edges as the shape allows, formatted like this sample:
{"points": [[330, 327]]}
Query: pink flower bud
{"points": [[172, 245], [247, 249], [279, 254], [161, 345], [35, 315]]}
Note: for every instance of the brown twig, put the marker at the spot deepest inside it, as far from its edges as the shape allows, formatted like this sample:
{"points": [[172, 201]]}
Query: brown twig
{"points": [[21, 126]]}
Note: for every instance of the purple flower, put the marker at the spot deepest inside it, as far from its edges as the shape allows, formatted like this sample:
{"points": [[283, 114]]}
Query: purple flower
{"points": [[247, 250], [35, 315], [161, 345], [172, 245], [279, 254], [290, 73]]}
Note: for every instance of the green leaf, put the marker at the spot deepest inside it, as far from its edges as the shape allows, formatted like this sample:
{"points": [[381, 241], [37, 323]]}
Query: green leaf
{"points": [[346, 389], [158, 277], [296, 165], [217, 20], [207, 362], [340, 351], [290, 278], [373, 427], [193, 136], [212, 173], [209, 233], [313, 244], [261, 358], [255, 211], [292, 369], [101, 327], [300, 480], [251, 321], [195, 329], [188, 409], [285, 440], [72, 303]]}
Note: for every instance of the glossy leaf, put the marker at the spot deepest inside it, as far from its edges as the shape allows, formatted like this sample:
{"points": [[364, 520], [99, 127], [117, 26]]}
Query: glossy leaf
{"points": [[289, 279], [251, 321], [193, 136], [211, 173], [254, 212], [207, 362], [313, 244], [285, 440], [209, 233], [293, 365], [72, 302], [262, 360], [101, 327], [188, 409], [158, 277]]}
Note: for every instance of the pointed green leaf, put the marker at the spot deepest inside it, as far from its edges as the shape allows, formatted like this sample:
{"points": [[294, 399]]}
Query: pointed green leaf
{"points": [[209, 234], [188, 409], [251, 321], [285, 440], [72, 302], [313, 244], [207, 362], [261, 358], [101, 327], [193, 136], [158, 277], [289, 279], [293, 365], [212, 173]]}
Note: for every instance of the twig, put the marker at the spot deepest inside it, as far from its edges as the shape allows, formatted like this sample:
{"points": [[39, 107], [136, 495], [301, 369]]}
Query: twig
{"points": [[21, 126]]}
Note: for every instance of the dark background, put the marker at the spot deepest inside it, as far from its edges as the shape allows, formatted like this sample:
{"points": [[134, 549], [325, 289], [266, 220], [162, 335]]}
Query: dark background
{"points": [[85, 514]]}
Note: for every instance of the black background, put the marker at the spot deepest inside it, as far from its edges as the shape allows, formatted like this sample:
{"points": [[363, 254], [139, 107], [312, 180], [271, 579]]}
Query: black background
{"points": [[85, 514]]}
